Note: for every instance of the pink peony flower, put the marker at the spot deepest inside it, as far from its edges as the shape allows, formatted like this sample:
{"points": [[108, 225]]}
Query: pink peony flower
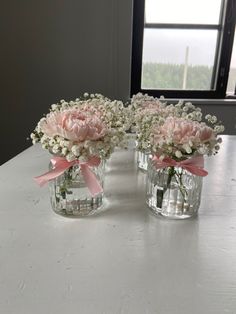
{"points": [[181, 131], [74, 124]]}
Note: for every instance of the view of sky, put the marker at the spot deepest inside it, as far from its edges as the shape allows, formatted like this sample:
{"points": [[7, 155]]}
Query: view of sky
{"points": [[165, 47], [183, 11], [169, 46]]}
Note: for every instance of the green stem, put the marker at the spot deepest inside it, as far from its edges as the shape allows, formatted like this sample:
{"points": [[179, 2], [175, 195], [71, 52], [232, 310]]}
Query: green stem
{"points": [[64, 188], [171, 173], [178, 178], [181, 185]]}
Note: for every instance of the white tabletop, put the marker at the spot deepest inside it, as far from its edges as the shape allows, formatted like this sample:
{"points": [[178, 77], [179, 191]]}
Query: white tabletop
{"points": [[125, 260]]}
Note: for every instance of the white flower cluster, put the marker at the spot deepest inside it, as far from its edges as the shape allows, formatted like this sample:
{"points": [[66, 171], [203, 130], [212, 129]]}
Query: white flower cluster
{"points": [[147, 111], [82, 151], [112, 113]]}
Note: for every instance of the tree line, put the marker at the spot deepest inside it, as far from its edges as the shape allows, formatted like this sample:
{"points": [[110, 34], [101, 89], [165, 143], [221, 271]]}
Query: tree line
{"points": [[171, 76]]}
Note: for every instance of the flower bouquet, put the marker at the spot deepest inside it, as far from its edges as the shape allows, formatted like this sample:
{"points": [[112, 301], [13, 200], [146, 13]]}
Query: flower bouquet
{"points": [[81, 135], [178, 143]]}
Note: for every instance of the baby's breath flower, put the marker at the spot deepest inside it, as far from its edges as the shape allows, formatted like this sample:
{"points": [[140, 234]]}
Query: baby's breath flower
{"points": [[64, 151], [219, 128], [56, 149], [70, 156], [213, 119], [178, 154], [32, 136], [75, 150], [54, 107], [187, 148]]}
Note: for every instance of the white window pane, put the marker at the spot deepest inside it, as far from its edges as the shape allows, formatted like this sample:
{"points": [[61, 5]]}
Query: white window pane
{"points": [[178, 59], [232, 72], [182, 11]]}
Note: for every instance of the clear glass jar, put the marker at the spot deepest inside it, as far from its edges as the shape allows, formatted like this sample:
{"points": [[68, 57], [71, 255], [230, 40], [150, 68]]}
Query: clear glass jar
{"points": [[142, 159], [70, 195], [173, 192]]}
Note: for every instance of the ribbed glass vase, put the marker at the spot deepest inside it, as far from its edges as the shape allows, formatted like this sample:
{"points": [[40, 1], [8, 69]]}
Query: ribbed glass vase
{"points": [[142, 160], [173, 192], [70, 195]]}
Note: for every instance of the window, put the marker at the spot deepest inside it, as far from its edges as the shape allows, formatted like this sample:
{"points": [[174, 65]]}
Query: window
{"points": [[231, 87], [182, 48]]}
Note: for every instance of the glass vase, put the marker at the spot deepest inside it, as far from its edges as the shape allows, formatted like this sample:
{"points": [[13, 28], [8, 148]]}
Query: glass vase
{"points": [[173, 192], [142, 160], [70, 195]]}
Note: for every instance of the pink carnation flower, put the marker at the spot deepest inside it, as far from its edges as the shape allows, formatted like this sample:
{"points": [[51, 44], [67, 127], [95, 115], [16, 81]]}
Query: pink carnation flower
{"points": [[74, 124], [180, 131]]}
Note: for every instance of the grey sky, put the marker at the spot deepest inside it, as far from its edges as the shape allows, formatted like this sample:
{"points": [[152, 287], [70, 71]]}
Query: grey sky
{"points": [[168, 46], [184, 11]]}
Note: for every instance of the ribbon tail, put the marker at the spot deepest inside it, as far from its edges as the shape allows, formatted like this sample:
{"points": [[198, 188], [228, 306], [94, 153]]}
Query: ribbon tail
{"points": [[91, 180], [195, 170]]}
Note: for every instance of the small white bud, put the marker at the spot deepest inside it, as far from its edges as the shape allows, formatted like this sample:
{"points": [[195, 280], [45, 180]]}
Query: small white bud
{"points": [[178, 154]]}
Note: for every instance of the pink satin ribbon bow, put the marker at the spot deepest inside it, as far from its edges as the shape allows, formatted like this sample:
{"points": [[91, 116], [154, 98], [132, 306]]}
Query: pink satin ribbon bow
{"points": [[194, 165], [60, 165]]}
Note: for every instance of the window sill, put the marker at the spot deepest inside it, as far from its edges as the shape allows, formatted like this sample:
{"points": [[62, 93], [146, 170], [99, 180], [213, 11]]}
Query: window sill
{"points": [[229, 102]]}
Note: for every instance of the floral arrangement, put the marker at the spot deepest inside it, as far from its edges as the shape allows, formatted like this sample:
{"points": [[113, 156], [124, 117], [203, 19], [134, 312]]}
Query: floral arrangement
{"points": [[92, 125], [176, 136], [178, 144], [176, 130]]}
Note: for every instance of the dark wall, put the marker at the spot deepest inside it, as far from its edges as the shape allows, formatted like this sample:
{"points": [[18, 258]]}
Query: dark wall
{"points": [[57, 49]]}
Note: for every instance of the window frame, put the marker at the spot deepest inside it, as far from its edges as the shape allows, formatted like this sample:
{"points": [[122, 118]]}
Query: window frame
{"points": [[224, 46]]}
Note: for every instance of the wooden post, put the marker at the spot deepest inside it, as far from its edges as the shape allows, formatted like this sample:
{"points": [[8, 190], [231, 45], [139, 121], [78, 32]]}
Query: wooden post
{"points": [[186, 68]]}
